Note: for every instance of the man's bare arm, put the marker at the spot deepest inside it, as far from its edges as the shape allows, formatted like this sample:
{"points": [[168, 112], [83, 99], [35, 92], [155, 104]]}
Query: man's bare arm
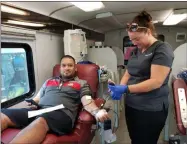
{"points": [[90, 106], [37, 97]]}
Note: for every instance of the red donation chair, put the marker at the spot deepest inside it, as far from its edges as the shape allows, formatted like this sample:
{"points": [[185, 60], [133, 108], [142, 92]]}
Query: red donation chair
{"points": [[83, 132]]}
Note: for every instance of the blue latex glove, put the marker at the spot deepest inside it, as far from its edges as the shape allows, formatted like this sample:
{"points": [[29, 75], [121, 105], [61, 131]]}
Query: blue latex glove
{"points": [[117, 91], [115, 96]]}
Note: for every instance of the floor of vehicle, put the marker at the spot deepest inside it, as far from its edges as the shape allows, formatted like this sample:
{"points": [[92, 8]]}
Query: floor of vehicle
{"points": [[122, 133]]}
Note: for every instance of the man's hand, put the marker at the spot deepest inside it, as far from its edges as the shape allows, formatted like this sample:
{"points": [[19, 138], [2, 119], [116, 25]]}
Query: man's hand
{"points": [[101, 115], [90, 106], [111, 82], [30, 104]]}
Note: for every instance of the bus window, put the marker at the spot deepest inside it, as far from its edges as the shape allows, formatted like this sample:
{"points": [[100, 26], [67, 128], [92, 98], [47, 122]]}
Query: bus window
{"points": [[14, 74]]}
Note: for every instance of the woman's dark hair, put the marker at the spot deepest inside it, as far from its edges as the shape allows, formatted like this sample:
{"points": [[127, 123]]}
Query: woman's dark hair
{"points": [[144, 19]]}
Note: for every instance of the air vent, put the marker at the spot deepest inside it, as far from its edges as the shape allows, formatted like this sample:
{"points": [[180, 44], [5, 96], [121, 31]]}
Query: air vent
{"points": [[180, 37]]}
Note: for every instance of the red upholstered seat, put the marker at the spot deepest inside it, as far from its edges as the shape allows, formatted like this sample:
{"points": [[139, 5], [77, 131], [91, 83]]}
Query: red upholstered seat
{"points": [[83, 132], [179, 83]]}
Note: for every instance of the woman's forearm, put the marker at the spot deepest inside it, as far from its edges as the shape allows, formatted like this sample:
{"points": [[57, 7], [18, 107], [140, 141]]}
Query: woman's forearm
{"points": [[124, 81], [125, 78], [144, 86], [157, 78]]}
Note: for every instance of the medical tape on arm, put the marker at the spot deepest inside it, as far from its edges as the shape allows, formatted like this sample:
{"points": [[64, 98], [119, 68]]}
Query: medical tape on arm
{"points": [[88, 98]]}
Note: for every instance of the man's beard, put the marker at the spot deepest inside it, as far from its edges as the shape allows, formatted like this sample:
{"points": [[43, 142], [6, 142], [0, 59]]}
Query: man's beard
{"points": [[68, 77]]}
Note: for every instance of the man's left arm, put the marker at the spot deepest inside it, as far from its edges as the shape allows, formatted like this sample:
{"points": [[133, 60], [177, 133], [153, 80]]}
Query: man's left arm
{"points": [[90, 106]]}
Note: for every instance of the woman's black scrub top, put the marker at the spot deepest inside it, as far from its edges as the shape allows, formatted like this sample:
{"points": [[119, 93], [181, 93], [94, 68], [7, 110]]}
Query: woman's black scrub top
{"points": [[139, 67]]}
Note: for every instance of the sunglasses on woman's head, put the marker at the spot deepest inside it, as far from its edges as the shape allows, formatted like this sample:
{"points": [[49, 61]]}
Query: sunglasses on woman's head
{"points": [[133, 27]]}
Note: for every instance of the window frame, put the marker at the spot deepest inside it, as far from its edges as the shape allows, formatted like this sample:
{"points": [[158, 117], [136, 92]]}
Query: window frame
{"points": [[31, 74]]}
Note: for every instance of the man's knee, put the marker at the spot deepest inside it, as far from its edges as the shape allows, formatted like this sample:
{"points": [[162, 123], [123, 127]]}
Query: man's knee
{"points": [[6, 120], [41, 122]]}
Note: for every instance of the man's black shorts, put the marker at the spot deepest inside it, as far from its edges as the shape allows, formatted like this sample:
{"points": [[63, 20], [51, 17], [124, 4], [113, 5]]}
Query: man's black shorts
{"points": [[58, 121]]}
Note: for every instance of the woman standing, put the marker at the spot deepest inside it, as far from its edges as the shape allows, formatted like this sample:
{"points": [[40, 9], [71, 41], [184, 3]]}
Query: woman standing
{"points": [[145, 82]]}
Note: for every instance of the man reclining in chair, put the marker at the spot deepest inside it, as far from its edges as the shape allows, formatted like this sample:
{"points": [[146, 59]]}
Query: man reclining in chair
{"points": [[66, 89]]}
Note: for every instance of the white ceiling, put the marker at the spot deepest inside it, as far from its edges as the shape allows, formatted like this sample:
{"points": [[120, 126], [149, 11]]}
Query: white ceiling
{"points": [[123, 12]]}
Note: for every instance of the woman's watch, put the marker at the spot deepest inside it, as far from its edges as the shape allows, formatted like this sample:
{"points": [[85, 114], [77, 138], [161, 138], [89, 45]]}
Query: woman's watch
{"points": [[128, 91]]}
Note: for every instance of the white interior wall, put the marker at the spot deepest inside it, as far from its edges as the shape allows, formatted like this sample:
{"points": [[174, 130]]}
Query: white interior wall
{"points": [[170, 35], [49, 50], [115, 38], [90, 43]]}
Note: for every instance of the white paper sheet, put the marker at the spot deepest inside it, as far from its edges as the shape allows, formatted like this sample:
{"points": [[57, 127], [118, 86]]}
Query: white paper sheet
{"points": [[38, 112]]}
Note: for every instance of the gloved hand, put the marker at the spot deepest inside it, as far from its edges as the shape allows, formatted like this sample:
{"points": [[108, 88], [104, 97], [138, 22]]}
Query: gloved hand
{"points": [[115, 96], [117, 91]]}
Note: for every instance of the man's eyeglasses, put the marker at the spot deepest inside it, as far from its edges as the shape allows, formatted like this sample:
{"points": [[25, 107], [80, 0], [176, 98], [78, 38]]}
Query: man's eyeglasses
{"points": [[133, 27]]}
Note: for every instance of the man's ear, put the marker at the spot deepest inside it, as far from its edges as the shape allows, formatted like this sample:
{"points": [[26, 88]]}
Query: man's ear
{"points": [[149, 32], [75, 71]]}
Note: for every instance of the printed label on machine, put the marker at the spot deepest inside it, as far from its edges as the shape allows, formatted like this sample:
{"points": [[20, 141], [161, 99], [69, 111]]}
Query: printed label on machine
{"points": [[183, 106]]}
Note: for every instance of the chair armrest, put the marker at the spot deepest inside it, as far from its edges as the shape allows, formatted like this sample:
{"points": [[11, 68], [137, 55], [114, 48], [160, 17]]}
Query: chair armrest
{"points": [[99, 102], [85, 116], [179, 83]]}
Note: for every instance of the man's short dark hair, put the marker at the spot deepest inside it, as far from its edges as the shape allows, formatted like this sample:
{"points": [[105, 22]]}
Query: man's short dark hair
{"points": [[68, 56]]}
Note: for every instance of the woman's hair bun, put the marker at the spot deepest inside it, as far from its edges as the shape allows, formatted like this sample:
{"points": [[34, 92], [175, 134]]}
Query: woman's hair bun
{"points": [[146, 16]]}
